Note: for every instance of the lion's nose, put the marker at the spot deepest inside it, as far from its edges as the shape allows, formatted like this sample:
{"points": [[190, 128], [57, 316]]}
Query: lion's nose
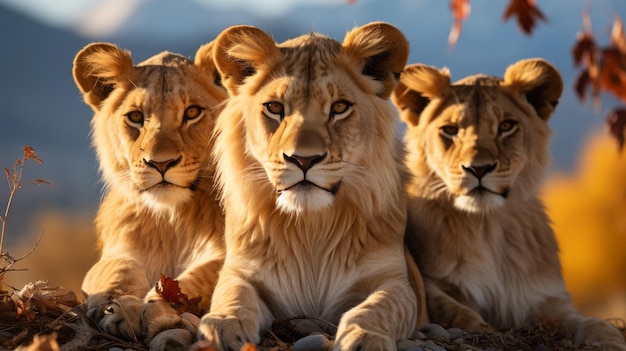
{"points": [[480, 171], [162, 166], [304, 162]]}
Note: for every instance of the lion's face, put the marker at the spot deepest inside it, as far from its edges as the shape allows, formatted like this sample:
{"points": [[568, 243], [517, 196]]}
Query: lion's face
{"points": [[310, 118], [152, 122], [481, 139]]}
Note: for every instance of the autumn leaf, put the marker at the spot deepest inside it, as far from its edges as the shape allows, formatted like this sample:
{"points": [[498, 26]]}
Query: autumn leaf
{"points": [[169, 289], [41, 181], [616, 123], [585, 49], [248, 347], [527, 14], [460, 11], [617, 34], [30, 154]]}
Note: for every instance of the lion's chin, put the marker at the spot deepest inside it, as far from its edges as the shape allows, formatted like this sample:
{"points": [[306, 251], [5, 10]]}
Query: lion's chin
{"points": [[166, 198], [304, 198], [479, 201]]}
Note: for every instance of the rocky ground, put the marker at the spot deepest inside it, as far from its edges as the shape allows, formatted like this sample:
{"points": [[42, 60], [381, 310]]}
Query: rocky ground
{"points": [[43, 317]]}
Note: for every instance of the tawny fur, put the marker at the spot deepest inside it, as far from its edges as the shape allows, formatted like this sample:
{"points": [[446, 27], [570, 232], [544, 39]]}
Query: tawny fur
{"points": [[160, 213], [331, 248], [478, 150]]}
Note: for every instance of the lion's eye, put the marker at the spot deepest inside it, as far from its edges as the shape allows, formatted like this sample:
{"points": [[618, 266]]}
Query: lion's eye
{"points": [[449, 131], [135, 117], [274, 110], [507, 127], [340, 109], [192, 112]]}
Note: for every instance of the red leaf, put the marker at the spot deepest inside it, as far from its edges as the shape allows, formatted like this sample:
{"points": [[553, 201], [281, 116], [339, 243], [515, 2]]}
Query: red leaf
{"points": [[616, 122], [7, 173], [527, 14], [613, 72], [41, 181], [248, 347], [581, 83], [168, 289], [30, 154], [617, 34], [460, 11], [585, 49]]}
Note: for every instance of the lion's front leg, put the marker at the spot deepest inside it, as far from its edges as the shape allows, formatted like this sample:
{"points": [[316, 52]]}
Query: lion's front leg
{"points": [[444, 309], [236, 314], [114, 287], [387, 315], [164, 327], [586, 329]]}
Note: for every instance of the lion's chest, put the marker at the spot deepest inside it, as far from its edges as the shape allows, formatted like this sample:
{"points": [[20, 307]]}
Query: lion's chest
{"points": [[498, 279], [311, 286]]}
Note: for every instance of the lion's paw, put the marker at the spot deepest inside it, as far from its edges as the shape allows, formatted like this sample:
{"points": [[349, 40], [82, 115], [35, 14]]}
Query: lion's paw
{"points": [[117, 315], [355, 338], [225, 333], [172, 339]]}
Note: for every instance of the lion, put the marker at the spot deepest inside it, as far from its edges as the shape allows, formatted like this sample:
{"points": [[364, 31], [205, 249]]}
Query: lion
{"points": [[160, 214], [312, 179], [478, 150]]}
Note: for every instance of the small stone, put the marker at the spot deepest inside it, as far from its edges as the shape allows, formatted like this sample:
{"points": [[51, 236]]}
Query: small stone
{"points": [[315, 342], [489, 348], [566, 343], [419, 336], [456, 333], [458, 341], [429, 345], [436, 332], [409, 345], [541, 347]]}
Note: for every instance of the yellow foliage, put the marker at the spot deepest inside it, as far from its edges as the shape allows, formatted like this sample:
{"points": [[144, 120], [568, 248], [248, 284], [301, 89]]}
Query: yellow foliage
{"points": [[588, 210]]}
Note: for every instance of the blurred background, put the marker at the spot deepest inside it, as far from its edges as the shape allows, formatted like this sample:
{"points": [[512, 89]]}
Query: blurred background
{"points": [[41, 106]]}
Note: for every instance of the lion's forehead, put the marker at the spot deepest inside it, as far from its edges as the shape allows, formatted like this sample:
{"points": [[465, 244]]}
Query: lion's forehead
{"points": [[480, 104], [309, 62]]}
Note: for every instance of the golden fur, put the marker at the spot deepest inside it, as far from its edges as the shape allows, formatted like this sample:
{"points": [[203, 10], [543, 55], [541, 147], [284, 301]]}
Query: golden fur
{"points": [[478, 150], [160, 215], [312, 178]]}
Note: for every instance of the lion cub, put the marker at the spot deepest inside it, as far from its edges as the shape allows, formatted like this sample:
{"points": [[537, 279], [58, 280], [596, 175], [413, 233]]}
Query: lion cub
{"points": [[478, 150], [151, 130], [313, 188]]}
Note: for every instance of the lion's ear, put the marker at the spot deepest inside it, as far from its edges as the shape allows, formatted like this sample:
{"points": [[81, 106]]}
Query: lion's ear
{"points": [[204, 60], [419, 84], [238, 51], [538, 81], [383, 51], [98, 67]]}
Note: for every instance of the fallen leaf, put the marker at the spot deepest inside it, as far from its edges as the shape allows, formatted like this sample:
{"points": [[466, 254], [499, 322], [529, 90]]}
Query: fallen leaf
{"points": [[616, 123], [460, 11], [30, 154], [169, 289], [527, 14]]}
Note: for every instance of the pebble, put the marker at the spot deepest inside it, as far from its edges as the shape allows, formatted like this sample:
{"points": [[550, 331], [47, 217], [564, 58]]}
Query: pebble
{"points": [[409, 345], [429, 345], [315, 342], [456, 333], [419, 335], [436, 332]]}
